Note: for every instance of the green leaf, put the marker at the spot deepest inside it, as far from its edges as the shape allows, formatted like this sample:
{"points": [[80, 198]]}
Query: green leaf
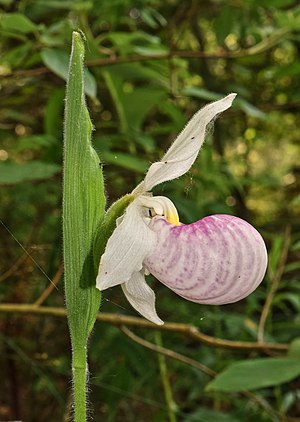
{"points": [[53, 113], [126, 161], [211, 415], [256, 373], [225, 21], [84, 203], [294, 348], [68, 4], [11, 173], [296, 246], [275, 3], [83, 210], [132, 107], [6, 2], [139, 102], [176, 115], [292, 298], [296, 200], [141, 72], [18, 23], [152, 50], [292, 267], [35, 142], [288, 20], [148, 18], [30, 362], [126, 42], [58, 61], [16, 55], [202, 93], [250, 109]]}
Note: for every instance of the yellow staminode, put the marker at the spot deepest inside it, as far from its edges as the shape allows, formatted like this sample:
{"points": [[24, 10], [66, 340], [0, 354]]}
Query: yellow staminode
{"points": [[169, 210], [172, 217], [161, 206]]}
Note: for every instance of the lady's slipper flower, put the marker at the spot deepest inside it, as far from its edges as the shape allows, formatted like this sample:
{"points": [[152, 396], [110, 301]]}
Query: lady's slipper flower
{"points": [[219, 259]]}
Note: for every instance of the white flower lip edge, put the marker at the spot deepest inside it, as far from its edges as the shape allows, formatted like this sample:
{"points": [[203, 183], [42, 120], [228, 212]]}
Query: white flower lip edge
{"points": [[133, 240]]}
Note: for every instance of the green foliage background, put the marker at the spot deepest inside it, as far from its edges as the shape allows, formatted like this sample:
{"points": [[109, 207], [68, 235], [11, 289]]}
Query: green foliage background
{"points": [[150, 66]]}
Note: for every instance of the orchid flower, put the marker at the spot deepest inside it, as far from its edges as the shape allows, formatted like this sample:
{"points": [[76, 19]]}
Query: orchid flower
{"points": [[219, 259]]}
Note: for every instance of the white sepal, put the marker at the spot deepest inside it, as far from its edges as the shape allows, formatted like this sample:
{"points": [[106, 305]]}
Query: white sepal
{"points": [[131, 242], [184, 150], [141, 297]]}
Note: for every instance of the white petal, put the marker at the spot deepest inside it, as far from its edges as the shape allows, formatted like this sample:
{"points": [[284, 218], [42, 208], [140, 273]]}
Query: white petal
{"points": [[184, 150], [131, 242], [141, 297]]}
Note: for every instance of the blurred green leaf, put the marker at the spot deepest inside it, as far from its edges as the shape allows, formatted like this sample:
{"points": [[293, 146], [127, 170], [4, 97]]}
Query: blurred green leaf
{"points": [[292, 267], [35, 142], [158, 75], [65, 4], [293, 299], [139, 102], [126, 42], [11, 173], [250, 109], [152, 17], [148, 18], [48, 382], [132, 106], [289, 20], [17, 22], [16, 55], [296, 246], [202, 93], [255, 373], [211, 415], [292, 69], [6, 2], [152, 50], [53, 113], [58, 61], [296, 200], [294, 348], [275, 3], [227, 18], [126, 161]]}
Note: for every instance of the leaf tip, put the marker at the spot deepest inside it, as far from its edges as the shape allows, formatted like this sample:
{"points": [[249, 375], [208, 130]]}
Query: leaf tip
{"points": [[78, 37]]}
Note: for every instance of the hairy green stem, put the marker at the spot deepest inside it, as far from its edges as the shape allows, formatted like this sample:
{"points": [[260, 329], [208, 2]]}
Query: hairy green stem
{"points": [[80, 378]]}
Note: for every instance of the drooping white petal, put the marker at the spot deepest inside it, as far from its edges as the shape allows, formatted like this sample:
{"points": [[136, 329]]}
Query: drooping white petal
{"points": [[184, 150], [141, 297], [126, 249], [219, 259]]}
